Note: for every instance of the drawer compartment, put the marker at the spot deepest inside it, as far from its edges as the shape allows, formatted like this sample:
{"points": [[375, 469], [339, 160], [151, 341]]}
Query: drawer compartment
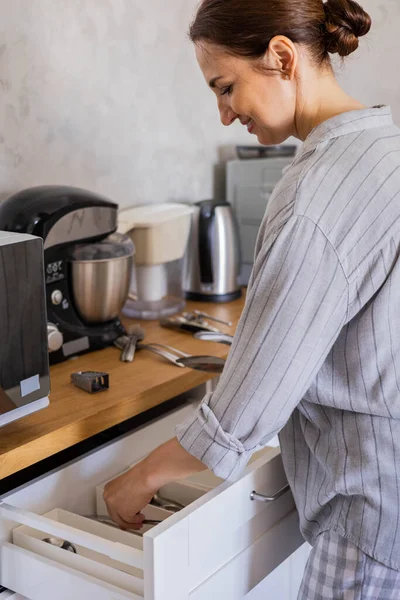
{"points": [[104, 554], [38, 578], [219, 526], [185, 491], [221, 519]]}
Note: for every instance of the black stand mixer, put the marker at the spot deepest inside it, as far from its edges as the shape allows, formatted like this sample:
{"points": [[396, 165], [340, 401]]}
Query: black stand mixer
{"points": [[87, 265]]}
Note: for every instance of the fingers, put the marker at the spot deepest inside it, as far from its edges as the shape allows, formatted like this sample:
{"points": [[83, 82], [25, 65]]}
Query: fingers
{"points": [[126, 523], [124, 498]]}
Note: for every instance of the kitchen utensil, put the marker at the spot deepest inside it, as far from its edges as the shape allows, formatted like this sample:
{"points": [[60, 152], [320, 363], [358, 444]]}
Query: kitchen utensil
{"points": [[167, 352], [166, 503], [136, 334], [182, 323], [212, 259], [178, 358], [91, 381], [82, 314], [24, 359], [193, 322], [108, 521], [160, 233], [101, 275], [209, 336], [54, 541], [201, 314], [164, 351], [210, 364]]}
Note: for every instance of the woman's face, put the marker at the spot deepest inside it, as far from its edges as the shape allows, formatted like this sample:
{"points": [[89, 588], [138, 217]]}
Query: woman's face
{"points": [[264, 103]]}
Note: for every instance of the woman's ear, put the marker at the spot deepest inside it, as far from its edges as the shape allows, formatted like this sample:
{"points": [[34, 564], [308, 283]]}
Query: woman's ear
{"points": [[282, 55]]}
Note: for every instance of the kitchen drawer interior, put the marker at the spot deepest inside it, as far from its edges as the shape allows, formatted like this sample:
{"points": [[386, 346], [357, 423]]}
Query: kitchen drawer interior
{"points": [[85, 560], [98, 564], [184, 492], [127, 562], [124, 572], [77, 492]]}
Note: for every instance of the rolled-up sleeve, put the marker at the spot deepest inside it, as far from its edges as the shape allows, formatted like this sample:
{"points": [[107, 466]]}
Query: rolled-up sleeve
{"points": [[295, 309]]}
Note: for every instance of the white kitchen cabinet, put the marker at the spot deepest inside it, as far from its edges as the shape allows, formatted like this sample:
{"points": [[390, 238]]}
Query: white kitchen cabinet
{"points": [[220, 546], [284, 582]]}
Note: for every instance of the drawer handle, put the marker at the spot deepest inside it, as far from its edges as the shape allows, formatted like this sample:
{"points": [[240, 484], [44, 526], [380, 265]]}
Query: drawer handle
{"points": [[261, 498]]}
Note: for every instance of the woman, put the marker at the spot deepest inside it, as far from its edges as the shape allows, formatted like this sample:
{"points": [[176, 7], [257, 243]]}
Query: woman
{"points": [[316, 350]]}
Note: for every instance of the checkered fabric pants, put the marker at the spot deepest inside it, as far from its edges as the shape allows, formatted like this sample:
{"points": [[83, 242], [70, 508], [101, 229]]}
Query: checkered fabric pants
{"points": [[338, 570]]}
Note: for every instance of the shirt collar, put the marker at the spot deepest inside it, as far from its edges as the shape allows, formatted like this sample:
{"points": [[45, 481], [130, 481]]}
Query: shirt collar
{"points": [[348, 122]]}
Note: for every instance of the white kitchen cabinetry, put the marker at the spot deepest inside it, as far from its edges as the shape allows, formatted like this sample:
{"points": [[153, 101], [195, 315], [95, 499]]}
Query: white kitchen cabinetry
{"points": [[221, 546]]}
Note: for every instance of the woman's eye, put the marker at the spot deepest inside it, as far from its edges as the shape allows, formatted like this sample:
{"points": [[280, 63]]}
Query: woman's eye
{"points": [[227, 90]]}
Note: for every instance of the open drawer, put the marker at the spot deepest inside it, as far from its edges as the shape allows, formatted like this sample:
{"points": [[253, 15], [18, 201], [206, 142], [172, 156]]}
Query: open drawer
{"points": [[221, 545]]}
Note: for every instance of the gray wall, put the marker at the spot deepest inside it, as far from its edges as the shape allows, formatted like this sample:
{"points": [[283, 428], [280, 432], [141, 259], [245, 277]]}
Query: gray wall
{"points": [[106, 94]]}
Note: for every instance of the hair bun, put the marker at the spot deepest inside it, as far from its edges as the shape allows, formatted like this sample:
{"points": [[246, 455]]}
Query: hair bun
{"points": [[345, 22]]}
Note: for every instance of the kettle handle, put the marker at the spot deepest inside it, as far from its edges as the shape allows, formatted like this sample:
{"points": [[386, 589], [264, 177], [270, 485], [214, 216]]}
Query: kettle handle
{"points": [[206, 223]]}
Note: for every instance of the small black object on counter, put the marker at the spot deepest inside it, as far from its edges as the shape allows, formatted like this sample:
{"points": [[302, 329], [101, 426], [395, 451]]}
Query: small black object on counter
{"points": [[91, 381]]}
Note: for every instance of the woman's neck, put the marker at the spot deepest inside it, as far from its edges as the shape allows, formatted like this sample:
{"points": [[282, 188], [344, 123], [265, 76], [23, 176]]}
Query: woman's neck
{"points": [[319, 98]]}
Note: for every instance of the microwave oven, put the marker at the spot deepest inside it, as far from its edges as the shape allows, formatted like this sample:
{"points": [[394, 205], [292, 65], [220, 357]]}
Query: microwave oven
{"points": [[24, 359]]}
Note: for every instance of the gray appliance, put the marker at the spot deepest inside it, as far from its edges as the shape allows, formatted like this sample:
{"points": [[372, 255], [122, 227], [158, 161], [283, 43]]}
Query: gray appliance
{"points": [[250, 184], [212, 259], [24, 359]]}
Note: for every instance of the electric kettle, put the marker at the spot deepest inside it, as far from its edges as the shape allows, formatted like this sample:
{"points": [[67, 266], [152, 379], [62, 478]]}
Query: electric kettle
{"points": [[212, 259]]}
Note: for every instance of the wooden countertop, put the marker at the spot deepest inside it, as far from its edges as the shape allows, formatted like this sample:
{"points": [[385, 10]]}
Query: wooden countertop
{"points": [[75, 415]]}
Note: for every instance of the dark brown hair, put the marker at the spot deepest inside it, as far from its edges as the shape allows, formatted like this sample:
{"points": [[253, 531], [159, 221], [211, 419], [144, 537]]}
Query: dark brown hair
{"points": [[245, 27]]}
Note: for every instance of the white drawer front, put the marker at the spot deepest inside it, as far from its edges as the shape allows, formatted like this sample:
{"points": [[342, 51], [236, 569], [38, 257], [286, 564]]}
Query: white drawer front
{"points": [[190, 553], [241, 575], [223, 523], [106, 557], [39, 578]]}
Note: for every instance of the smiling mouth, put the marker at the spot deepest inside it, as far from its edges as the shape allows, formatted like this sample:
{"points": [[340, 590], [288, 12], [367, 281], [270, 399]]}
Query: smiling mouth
{"points": [[250, 125]]}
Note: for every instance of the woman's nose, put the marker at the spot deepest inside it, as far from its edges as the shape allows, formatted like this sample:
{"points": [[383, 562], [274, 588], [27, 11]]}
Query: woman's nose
{"points": [[227, 115]]}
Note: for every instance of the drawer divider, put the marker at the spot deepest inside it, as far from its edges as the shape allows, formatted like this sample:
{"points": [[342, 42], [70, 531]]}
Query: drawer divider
{"points": [[114, 550]]}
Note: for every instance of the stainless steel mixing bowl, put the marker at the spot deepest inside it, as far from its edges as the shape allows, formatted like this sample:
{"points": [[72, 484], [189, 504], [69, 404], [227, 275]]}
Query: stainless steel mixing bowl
{"points": [[100, 277]]}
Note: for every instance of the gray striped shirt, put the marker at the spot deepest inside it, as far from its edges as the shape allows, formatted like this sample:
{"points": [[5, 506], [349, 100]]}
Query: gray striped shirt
{"points": [[316, 355]]}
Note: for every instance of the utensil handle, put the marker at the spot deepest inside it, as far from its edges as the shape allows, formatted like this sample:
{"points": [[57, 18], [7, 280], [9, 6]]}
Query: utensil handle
{"points": [[166, 503], [109, 521], [128, 353], [209, 336], [199, 313], [174, 350], [167, 355], [261, 498]]}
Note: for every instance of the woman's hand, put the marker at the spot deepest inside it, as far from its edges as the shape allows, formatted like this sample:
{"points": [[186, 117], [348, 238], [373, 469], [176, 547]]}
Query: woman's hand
{"points": [[129, 493]]}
